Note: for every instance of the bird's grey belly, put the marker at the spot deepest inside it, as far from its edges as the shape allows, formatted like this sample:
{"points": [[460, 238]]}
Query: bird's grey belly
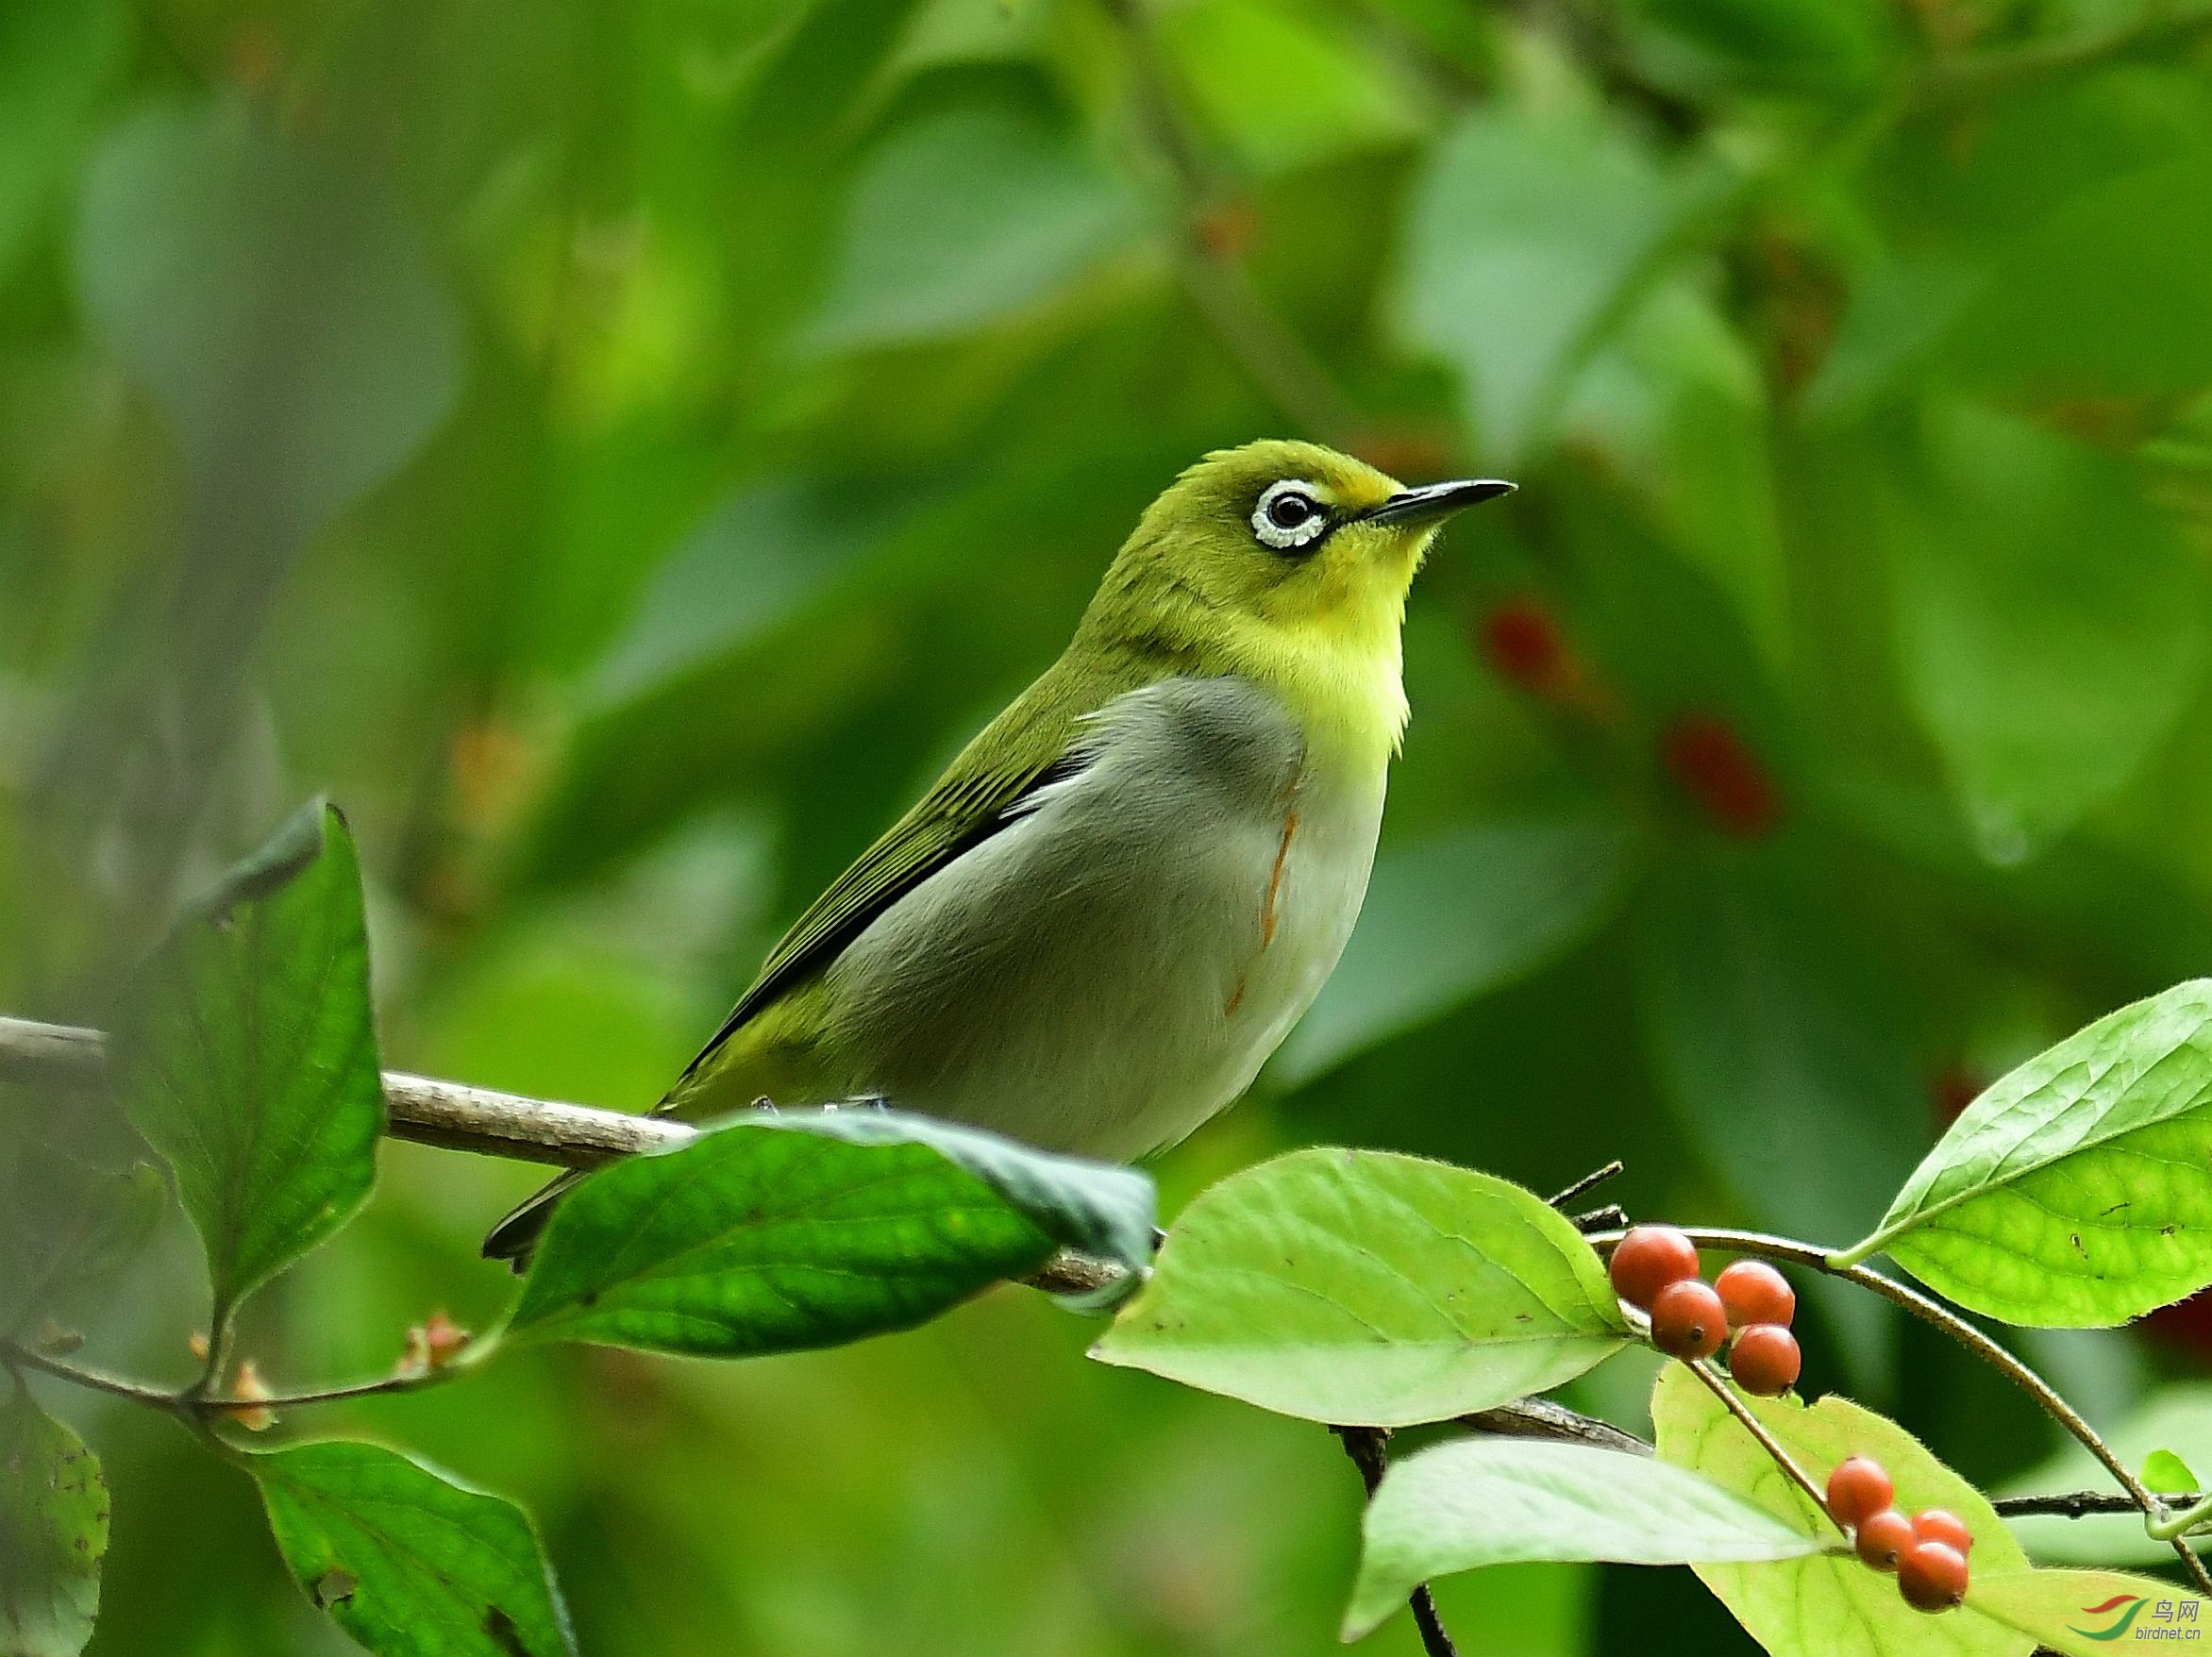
{"points": [[1114, 966]]}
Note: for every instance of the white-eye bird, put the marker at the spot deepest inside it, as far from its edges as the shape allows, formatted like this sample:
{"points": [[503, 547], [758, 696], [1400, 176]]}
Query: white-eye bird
{"points": [[1095, 928]]}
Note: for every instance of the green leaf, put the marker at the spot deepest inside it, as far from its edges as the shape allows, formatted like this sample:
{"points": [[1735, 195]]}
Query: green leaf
{"points": [[1825, 46], [2082, 1614], [2049, 623], [54, 56], [2176, 1422], [1485, 1502], [756, 563], [961, 216], [1450, 917], [406, 1562], [1830, 1605], [277, 306], [758, 559], [2109, 297], [2076, 1192], [780, 1232], [2167, 1474], [1289, 86], [1527, 235], [247, 1055], [66, 1224], [53, 1532], [1676, 403], [1366, 1288]]}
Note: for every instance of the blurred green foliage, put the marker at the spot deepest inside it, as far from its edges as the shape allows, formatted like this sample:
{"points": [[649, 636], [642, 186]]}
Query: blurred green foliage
{"points": [[618, 451]]}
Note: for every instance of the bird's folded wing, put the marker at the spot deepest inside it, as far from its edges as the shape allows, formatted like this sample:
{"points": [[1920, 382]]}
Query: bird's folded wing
{"points": [[1036, 742]]}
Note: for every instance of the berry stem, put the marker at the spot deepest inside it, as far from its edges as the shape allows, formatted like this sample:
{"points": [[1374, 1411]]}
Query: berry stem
{"points": [[2176, 1525], [1702, 1368]]}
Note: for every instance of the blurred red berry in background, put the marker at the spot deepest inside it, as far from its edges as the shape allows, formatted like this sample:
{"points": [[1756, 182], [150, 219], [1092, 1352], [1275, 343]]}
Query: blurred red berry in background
{"points": [[1705, 756], [1228, 228], [1523, 644]]}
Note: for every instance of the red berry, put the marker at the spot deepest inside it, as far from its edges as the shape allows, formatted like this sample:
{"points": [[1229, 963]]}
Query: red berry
{"points": [[1687, 1319], [1931, 1576], [1755, 1292], [1933, 1524], [1857, 1490], [1765, 1361], [1884, 1538], [1648, 1258]]}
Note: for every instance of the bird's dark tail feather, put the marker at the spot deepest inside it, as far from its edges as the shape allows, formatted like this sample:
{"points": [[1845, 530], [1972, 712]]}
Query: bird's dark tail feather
{"points": [[514, 1237]]}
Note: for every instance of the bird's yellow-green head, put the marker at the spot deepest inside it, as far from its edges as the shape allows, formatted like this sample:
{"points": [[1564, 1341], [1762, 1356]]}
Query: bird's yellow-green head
{"points": [[1288, 562]]}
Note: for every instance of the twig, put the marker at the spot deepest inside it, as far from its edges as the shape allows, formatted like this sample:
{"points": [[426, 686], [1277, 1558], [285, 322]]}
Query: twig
{"points": [[1702, 1368], [446, 1113], [17, 1356], [1542, 1419], [197, 1400], [2076, 1504], [1934, 1312], [1365, 1446], [1587, 1183], [455, 1117]]}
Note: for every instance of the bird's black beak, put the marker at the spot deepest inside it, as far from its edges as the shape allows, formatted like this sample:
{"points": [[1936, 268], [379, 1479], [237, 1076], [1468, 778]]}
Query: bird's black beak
{"points": [[1432, 501]]}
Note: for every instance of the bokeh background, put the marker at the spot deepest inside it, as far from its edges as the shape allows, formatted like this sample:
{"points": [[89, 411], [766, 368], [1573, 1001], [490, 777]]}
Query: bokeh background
{"points": [[621, 447]]}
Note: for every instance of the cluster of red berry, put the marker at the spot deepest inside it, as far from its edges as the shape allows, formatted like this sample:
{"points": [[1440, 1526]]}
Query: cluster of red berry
{"points": [[1928, 1551], [1656, 1269]]}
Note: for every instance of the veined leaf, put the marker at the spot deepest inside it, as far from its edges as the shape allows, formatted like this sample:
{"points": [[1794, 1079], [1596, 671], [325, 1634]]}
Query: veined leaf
{"points": [[2077, 1191], [247, 1057], [53, 1532], [408, 1563], [1366, 1288], [1496, 1500], [779, 1233], [1830, 1605]]}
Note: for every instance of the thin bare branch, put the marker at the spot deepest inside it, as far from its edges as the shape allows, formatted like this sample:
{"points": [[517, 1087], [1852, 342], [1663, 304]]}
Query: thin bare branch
{"points": [[1587, 1183], [455, 1117], [1366, 1446]]}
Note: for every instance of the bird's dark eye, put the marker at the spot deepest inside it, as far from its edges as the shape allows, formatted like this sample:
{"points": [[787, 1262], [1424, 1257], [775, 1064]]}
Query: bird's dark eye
{"points": [[1289, 517]]}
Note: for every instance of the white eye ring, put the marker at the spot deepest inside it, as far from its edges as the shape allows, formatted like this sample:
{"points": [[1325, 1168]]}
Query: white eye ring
{"points": [[1289, 515]]}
